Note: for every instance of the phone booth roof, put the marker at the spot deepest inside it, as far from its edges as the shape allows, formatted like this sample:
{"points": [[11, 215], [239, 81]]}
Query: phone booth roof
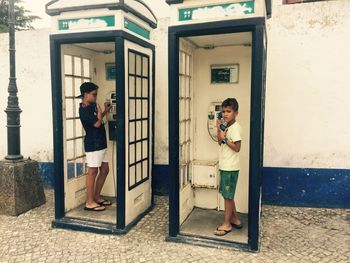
{"points": [[197, 11], [92, 15]]}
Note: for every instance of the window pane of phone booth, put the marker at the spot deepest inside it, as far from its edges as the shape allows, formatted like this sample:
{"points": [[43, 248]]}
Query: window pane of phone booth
{"points": [[79, 147], [86, 68], [138, 65], [144, 109], [132, 59], [69, 108], [79, 130], [188, 87], [132, 153], [138, 130], [138, 87], [77, 66], [77, 84], [68, 86], [68, 65], [144, 129], [70, 170], [70, 151], [144, 88], [145, 170], [144, 149], [132, 131], [77, 105], [131, 84], [69, 129], [132, 175], [138, 172], [79, 165], [138, 109], [132, 114], [145, 66], [138, 151]]}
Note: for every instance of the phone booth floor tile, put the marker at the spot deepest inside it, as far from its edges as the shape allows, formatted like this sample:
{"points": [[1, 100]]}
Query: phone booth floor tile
{"points": [[203, 222], [109, 215]]}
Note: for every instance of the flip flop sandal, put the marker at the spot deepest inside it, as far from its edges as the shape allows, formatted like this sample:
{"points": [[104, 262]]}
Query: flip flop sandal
{"points": [[240, 226], [95, 209], [105, 203], [221, 232]]}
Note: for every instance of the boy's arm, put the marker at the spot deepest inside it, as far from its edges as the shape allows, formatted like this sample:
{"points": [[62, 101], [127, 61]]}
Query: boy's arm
{"points": [[234, 139], [100, 115], [236, 146]]}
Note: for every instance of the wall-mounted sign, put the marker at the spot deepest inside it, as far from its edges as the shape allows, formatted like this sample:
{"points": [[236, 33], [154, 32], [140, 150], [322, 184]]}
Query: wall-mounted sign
{"points": [[216, 11], [111, 71], [224, 73], [128, 24], [86, 23]]}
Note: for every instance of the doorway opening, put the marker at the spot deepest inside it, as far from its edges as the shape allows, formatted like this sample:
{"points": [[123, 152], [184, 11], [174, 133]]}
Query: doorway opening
{"points": [[211, 69], [87, 62]]}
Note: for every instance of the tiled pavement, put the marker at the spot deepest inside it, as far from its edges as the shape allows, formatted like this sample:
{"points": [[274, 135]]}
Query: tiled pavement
{"points": [[288, 235]]}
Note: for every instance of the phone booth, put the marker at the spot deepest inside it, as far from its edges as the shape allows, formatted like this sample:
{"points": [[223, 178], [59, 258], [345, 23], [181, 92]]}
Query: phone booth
{"points": [[108, 43], [217, 50]]}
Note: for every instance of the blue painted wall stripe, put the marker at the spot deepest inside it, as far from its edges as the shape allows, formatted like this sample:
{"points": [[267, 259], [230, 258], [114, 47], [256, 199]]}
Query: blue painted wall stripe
{"points": [[309, 187]]}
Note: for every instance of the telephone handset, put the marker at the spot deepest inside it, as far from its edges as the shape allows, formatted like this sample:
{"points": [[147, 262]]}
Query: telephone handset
{"points": [[112, 116], [214, 114]]}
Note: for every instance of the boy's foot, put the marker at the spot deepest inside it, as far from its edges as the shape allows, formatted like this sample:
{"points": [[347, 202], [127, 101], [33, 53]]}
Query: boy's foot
{"points": [[236, 224], [221, 231], [95, 208], [104, 202]]}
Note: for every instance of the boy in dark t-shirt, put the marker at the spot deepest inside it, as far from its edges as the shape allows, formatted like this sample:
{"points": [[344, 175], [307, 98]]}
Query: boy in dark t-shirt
{"points": [[95, 144]]}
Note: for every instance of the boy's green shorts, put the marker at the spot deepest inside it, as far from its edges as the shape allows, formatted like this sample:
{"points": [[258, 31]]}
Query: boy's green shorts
{"points": [[228, 182]]}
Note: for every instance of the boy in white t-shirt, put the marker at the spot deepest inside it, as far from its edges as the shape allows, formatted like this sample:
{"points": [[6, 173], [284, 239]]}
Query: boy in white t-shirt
{"points": [[229, 165]]}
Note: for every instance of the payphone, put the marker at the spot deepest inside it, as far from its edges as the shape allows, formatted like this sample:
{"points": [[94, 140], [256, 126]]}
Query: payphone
{"points": [[214, 114], [112, 116]]}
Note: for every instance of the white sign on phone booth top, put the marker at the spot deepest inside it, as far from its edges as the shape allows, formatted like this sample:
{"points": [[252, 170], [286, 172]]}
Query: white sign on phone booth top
{"points": [[101, 15], [197, 11]]}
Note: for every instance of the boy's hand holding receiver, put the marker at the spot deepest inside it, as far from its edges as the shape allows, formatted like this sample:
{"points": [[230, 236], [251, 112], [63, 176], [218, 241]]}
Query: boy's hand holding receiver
{"points": [[221, 134]]}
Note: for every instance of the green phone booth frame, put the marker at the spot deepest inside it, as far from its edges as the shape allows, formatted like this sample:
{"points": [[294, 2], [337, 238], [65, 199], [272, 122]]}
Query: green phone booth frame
{"points": [[257, 27], [118, 37]]}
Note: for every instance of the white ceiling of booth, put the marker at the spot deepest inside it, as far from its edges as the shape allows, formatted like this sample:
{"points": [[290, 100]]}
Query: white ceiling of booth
{"points": [[98, 47], [222, 40], [137, 5]]}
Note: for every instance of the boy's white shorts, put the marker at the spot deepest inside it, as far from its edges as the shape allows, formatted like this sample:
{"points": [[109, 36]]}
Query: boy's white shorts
{"points": [[96, 158]]}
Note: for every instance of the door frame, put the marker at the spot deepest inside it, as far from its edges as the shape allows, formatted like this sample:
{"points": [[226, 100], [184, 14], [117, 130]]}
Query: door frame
{"points": [[257, 27], [118, 37]]}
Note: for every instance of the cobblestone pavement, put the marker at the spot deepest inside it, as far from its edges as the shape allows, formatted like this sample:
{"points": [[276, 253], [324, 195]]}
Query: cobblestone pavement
{"points": [[288, 235]]}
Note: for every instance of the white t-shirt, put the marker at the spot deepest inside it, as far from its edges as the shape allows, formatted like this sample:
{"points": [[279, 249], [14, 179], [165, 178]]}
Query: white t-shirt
{"points": [[228, 158]]}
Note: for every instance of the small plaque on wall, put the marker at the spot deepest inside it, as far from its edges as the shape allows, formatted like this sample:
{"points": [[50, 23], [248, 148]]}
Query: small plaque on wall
{"points": [[111, 71], [221, 74]]}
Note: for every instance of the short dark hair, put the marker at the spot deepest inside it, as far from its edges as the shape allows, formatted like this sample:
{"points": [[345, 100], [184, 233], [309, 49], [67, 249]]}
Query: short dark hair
{"points": [[230, 102]]}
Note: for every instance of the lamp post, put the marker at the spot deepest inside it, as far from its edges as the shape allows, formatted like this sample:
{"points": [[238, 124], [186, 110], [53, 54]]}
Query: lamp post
{"points": [[13, 111], [21, 187]]}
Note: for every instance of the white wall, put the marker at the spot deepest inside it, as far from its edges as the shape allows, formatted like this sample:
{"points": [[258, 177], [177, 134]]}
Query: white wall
{"points": [[34, 85], [307, 88], [307, 96]]}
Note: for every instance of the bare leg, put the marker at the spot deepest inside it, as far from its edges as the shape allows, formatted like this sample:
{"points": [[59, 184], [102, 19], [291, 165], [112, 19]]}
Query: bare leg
{"points": [[235, 218], [101, 178], [90, 185], [228, 214]]}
